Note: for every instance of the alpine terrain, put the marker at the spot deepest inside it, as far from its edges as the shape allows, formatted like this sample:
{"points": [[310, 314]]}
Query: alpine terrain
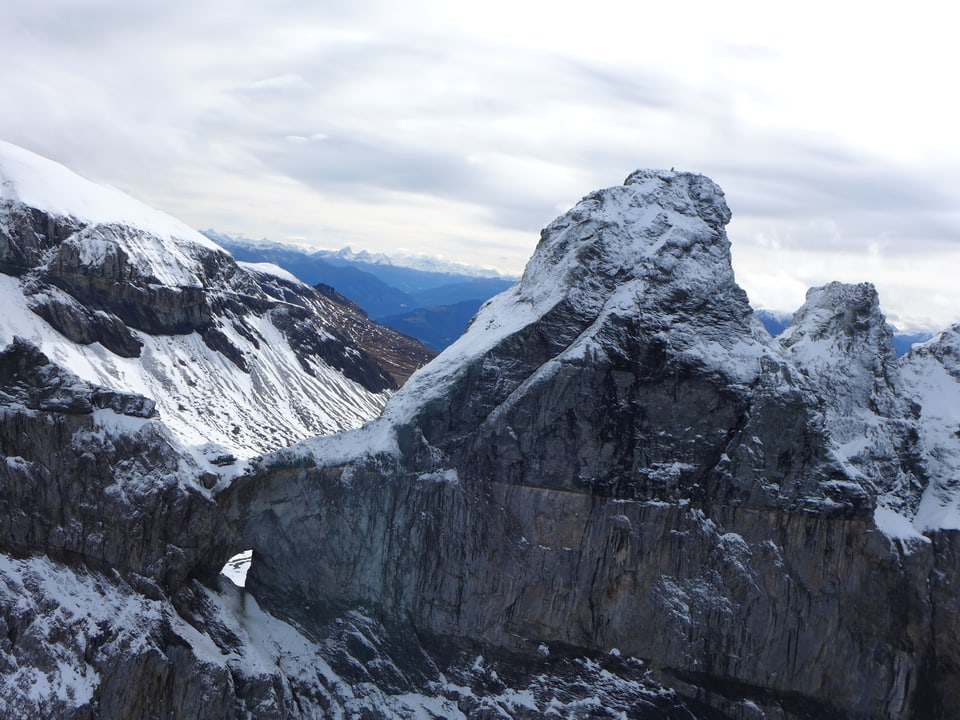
{"points": [[615, 496]]}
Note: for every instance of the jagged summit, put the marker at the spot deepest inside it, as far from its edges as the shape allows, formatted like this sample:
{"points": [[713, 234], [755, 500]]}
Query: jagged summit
{"points": [[653, 249], [842, 343]]}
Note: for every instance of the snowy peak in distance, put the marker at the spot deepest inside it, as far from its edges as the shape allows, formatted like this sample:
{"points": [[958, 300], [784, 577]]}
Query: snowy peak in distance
{"points": [[239, 359], [424, 262]]}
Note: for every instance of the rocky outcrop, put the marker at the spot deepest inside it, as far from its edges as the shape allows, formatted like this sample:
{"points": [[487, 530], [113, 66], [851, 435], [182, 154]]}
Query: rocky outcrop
{"points": [[89, 478], [616, 455], [843, 345]]}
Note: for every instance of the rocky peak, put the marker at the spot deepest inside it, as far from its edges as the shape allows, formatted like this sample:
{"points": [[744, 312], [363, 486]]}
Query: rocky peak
{"points": [[841, 341], [641, 251], [627, 311], [664, 229], [840, 323]]}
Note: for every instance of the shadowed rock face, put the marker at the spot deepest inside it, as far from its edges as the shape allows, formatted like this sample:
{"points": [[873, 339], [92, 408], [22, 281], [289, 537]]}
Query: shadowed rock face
{"points": [[617, 456], [109, 491]]}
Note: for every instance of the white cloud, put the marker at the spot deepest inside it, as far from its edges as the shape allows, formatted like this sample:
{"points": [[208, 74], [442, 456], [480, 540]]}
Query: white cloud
{"points": [[455, 128]]}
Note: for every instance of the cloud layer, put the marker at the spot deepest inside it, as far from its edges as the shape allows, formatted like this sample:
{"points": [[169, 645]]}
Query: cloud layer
{"points": [[460, 130]]}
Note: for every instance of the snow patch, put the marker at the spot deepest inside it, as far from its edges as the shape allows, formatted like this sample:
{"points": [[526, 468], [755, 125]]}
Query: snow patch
{"points": [[896, 526]]}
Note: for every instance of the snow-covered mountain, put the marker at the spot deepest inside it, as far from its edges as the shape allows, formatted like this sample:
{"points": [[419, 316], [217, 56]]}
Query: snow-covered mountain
{"points": [[239, 358], [616, 495]]}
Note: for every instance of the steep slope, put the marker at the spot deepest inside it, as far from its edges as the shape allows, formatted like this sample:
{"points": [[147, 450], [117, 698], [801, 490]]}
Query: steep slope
{"points": [[239, 358], [617, 455]]}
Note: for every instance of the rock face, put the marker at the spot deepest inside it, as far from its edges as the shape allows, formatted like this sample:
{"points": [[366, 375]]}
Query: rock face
{"points": [[616, 455], [240, 359], [78, 458]]}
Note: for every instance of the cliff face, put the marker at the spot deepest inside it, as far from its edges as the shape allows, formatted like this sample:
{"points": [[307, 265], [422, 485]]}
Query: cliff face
{"points": [[616, 455]]}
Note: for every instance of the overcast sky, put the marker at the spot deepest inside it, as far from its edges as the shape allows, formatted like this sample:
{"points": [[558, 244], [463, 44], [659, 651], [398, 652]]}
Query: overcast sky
{"points": [[461, 129]]}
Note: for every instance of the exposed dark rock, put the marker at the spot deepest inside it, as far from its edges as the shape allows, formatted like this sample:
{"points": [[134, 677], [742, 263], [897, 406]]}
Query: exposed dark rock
{"points": [[28, 378], [78, 490], [27, 234], [81, 325]]}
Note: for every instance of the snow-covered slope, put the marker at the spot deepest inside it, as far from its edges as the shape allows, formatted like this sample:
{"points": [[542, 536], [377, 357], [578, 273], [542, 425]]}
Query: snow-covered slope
{"points": [[931, 374], [239, 359]]}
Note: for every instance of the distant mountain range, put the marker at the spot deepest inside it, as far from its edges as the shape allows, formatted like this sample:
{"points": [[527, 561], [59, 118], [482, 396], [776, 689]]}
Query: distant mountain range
{"points": [[432, 301]]}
